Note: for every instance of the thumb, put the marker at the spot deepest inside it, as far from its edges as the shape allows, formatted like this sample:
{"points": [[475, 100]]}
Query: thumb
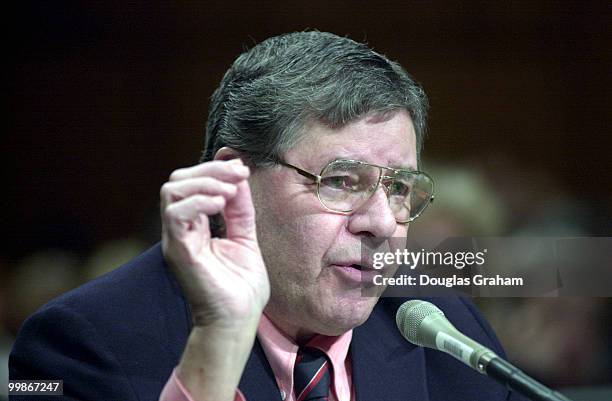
{"points": [[239, 215]]}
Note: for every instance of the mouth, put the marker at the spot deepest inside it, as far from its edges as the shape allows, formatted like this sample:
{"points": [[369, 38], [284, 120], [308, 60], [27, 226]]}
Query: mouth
{"points": [[355, 266], [356, 273]]}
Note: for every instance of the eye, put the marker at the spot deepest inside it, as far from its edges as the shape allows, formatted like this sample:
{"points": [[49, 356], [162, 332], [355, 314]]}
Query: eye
{"points": [[341, 182], [400, 188]]}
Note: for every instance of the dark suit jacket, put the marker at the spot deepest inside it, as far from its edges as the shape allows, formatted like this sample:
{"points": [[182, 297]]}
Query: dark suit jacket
{"points": [[119, 337]]}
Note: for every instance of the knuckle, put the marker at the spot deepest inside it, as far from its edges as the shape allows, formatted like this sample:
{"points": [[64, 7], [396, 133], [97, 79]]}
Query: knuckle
{"points": [[197, 201], [167, 213], [175, 175], [219, 200], [229, 188], [204, 201], [164, 190]]}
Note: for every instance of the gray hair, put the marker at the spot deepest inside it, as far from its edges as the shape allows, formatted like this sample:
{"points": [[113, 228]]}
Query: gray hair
{"points": [[273, 90]]}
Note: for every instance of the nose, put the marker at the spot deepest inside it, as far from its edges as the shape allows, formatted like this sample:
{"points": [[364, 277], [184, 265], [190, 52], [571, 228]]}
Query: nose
{"points": [[375, 217]]}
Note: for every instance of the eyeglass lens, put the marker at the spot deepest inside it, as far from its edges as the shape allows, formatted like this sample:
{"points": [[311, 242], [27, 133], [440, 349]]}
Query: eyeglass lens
{"points": [[346, 185]]}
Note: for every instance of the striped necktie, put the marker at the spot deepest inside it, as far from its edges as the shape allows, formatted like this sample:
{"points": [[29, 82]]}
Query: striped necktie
{"points": [[311, 375]]}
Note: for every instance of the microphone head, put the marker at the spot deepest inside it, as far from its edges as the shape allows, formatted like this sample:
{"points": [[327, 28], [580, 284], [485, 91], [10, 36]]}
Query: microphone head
{"points": [[409, 318]]}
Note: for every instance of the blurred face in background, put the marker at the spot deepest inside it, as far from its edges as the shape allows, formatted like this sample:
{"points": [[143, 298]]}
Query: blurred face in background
{"points": [[308, 249]]}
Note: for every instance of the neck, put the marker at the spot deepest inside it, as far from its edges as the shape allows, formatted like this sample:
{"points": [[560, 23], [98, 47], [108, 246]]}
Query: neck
{"points": [[298, 335]]}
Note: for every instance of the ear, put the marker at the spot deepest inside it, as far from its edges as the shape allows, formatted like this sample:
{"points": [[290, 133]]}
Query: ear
{"points": [[227, 153]]}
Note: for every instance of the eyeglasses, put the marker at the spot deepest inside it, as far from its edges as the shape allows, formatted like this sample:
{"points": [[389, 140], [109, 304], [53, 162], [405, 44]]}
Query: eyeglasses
{"points": [[345, 185]]}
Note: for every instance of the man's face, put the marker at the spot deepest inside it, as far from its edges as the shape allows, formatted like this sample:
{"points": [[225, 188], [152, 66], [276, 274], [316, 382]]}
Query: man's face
{"points": [[308, 249]]}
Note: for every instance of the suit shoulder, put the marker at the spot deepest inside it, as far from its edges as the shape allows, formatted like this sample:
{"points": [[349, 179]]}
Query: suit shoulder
{"points": [[137, 286], [131, 323], [137, 307]]}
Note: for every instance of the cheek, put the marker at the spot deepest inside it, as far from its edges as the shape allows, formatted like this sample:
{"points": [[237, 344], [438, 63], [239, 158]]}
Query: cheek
{"points": [[400, 236], [294, 246], [310, 238]]}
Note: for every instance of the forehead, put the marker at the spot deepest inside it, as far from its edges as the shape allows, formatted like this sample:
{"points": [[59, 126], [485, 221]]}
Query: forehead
{"points": [[388, 141]]}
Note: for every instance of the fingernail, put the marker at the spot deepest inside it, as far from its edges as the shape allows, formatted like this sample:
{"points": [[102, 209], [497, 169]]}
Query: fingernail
{"points": [[236, 161]]}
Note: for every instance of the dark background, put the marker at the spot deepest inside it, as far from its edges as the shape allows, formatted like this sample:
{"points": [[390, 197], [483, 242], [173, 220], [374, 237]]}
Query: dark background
{"points": [[105, 99]]}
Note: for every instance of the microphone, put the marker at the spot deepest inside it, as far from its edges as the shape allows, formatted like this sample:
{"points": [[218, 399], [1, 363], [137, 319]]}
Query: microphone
{"points": [[424, 324]]}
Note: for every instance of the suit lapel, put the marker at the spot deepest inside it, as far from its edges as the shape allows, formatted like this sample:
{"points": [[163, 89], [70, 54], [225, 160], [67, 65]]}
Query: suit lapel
{"points": [[385, 366], [258, 382]]}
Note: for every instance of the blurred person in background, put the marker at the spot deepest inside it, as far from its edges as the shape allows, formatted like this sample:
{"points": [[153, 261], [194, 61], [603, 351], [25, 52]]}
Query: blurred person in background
{"points": [[33, 281], [562, 349], [312, 151], [111, 254], [458, 190], [38, 278], [563, 340]]}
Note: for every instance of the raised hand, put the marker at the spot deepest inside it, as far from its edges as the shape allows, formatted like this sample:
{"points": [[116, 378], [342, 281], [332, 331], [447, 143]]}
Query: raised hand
{"points": [[224, 279]]}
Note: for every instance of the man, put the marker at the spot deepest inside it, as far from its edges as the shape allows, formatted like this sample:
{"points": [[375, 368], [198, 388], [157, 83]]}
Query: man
{"points": [[311, 156]]}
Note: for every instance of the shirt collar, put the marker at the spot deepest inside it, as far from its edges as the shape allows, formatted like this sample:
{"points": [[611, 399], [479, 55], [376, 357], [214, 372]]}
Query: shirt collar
{"points": [[281, 352]]}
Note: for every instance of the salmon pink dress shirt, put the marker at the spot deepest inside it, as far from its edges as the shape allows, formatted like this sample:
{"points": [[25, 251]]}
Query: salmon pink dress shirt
{"points": [[281, 352]]}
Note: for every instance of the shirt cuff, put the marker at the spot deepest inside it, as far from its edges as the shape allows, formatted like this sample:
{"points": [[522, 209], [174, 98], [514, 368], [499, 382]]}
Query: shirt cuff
{"points": [[174, 390]]}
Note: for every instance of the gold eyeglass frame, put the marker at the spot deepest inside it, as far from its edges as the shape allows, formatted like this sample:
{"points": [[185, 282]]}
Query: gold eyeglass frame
{"points": [[317, 179]]}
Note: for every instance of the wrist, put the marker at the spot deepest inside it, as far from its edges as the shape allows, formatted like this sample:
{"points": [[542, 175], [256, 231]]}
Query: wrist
{"points": [[214, 358], [214, 322]]}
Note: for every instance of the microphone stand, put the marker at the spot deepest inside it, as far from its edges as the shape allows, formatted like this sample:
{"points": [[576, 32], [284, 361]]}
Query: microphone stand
{"points": [[515, 379]]}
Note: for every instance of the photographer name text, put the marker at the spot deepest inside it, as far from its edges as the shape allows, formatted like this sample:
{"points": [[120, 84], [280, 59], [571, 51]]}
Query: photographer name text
{"points": [[451, 281]]}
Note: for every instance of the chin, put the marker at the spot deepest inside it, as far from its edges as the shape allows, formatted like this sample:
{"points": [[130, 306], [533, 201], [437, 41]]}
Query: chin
{"points": [[348, 314], [339, 327]]}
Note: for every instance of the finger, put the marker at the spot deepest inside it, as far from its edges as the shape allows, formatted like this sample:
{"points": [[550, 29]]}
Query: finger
{"points": [[173, 191], [191, 215], [231, 171], [239, 215]]}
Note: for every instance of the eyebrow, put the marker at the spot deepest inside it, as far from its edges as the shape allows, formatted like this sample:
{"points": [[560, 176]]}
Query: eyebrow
{"points": [[394, 166], [409, 168]]}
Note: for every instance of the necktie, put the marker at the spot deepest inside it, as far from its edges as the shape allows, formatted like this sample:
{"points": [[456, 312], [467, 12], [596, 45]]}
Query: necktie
{"points": [[311, 375]]}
